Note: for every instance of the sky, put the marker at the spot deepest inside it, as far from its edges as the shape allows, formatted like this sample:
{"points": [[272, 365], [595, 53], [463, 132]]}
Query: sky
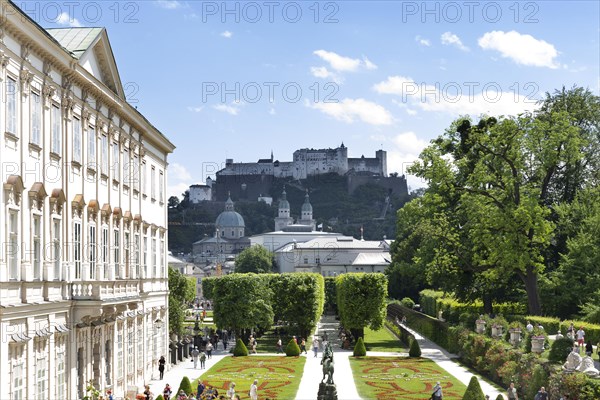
{"points": [[241, 79]]}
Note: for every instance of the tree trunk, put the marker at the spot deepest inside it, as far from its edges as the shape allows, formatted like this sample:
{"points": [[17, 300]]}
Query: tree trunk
{"points": [[358, 333], [530, 278], [488, 308]]}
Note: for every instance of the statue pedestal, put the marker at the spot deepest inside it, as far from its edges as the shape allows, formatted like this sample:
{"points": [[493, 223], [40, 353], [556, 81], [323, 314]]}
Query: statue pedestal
{"points": [[327, 392]]}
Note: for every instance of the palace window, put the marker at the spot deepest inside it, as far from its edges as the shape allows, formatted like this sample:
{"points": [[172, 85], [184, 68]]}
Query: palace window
{"points": [[115, 161], [56, 130], [116, 250], [140, 343], [36, 118], [153, 183], [120, 350], [126, 168], [144, 179], [105, 260], [11, 106], [17, 372], [104, 144], [154, 264], [61, 391], [56, 246], [77, 248], [161, 256], [41, 370], [136, 254], [161, 187], [37, 247], [12, 247], [145, 260], [126, 245], [92, 255], [76, 140], [135, 173], [91, 150]]}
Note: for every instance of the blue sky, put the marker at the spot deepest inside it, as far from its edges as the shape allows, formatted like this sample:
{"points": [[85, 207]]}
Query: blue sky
{"points": [[239, 79]]}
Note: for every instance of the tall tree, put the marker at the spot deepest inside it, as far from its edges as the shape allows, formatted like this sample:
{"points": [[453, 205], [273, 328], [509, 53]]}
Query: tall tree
{"points": [[182, 291], [503, 168], [256, 259], [361, 301]]}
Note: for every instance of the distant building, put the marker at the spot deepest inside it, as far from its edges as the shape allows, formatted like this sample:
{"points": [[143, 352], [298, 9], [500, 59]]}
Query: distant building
{"points": [[189, 270], [310, 162], [228, 240], [331, 256], [199, 193]]}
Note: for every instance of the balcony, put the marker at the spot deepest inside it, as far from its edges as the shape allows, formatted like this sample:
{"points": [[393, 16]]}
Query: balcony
{"points": [[105, 290]]}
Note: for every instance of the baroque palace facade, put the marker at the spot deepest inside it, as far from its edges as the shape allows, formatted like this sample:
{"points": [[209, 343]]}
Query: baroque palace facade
{"points": [[83, 272]]}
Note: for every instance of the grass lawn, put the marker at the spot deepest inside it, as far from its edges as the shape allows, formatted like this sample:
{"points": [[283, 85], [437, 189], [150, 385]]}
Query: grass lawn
{"points": [[382, 340], [394, 378], [278, 377]]}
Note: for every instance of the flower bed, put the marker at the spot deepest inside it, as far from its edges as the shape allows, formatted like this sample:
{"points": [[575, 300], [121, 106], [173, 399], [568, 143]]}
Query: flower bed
{"points": [[387, 378], [278, 377]]}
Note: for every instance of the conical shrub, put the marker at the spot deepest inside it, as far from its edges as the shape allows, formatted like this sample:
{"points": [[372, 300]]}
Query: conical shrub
{"points": [[240, 349], [185, 385], [473, 390], [292, 349], [500, 397], [160, 397], [415, 349], [359, 348]]}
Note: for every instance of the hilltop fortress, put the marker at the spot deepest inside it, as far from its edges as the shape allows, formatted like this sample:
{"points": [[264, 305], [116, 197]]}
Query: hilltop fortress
{"points": [[253, 181], [310, 162]]}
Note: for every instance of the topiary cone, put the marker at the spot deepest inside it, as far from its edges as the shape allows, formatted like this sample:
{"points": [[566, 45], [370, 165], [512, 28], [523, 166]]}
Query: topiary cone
{"points": [[185, 385], [473, 390], [500, 397], [240, 349], [359, 348], [292, 349], [415, 349]]}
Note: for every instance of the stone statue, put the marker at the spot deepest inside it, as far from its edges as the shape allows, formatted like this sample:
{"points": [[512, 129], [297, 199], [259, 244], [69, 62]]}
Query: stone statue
{"points": [[327, 362], [573, 360], [587, 367]]}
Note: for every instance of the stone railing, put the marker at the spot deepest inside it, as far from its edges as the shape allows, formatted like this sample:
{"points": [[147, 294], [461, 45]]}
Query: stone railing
{"points": [[104, 290]]}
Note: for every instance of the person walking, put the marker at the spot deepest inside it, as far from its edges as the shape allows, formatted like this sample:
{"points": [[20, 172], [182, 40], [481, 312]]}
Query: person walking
{"points": [[541, 394], [231, 391], [437, 391], [161, 367], [512, 392], [200, 388], [279, 346], [195, 354], [315, 345], [303, 346], [253, 393], [202, 360], [148, 393], [209, 349], [580, 338], [167, 392]]}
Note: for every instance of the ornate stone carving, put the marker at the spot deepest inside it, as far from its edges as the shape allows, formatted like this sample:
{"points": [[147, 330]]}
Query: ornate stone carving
{"points": [[25, 52], [26, 77], [4, 59], [48, 92]]}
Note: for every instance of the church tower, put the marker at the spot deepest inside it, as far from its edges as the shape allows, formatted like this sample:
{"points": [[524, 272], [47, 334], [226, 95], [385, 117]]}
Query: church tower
{"points": [[283, 218], [306, 214]]}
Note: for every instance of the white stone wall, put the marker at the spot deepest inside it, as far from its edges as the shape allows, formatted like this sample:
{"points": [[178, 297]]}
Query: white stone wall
{"points": [[199, 193], [102, 211]]}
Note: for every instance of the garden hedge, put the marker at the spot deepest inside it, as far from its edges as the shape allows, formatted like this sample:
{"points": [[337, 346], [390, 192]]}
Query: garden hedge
{"points": [[359, 348], [432, 328]]}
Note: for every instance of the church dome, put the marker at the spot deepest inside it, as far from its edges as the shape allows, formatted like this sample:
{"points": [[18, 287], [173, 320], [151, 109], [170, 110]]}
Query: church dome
{"points": [[283, 203], [230, 218], [306, 207]]}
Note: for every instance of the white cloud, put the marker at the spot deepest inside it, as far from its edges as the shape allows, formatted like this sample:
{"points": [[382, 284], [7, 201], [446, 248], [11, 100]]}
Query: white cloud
{"points": [[368, 64], [522, 49], [324, 73], [168, 4], [351, 110], [341, 63], [66, 20], [180, 180], [195, 109], [450, 39], [403, 149], [227, 34], [454, 98], [423, 41], [232, 110]]}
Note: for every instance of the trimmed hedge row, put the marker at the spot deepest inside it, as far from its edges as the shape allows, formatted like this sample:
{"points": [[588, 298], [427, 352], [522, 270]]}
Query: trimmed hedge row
{"points": [[432, 302], [402, 334], [433, 329], [552, 325]]}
